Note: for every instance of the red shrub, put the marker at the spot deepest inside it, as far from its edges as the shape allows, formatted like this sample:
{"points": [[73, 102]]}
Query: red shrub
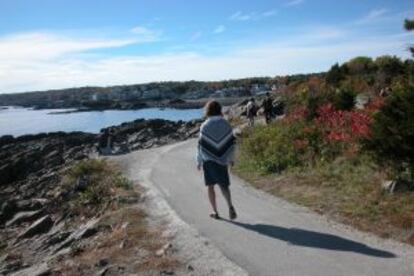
{"points": [[297, 114], [332, 131], [343, 126]]}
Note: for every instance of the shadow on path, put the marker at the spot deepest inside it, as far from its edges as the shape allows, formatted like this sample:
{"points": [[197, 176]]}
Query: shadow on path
{"points": [[308, 238]]}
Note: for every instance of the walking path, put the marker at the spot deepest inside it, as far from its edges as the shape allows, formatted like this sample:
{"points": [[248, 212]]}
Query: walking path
{"points": [[271, 236]]}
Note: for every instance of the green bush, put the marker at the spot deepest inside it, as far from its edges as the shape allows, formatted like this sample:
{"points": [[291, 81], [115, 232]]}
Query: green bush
{"points": [[95, 178], [91, 185], [392, 137], [269, 149], [336, 74], [361, 65], [390, 65], [344, 99]]}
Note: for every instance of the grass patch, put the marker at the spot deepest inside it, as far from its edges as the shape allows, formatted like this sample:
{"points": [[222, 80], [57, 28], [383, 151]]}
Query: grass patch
{"points": [[347, 189], [91, 186]]}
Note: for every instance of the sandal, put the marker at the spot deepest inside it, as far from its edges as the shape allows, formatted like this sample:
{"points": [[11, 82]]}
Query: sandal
{"points": [[214, 216], [232, 213]]}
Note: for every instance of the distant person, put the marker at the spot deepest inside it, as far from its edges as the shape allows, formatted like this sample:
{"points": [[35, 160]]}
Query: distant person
{"points": [[267, 105], [105, 142], [215, 153], [251, 110]]}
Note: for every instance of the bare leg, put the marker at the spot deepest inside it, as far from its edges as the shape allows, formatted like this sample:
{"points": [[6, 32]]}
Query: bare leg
{"points": [[227, 195], [212, 198]]}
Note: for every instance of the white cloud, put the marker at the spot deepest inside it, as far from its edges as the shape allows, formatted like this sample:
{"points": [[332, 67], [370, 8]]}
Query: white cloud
{"points": [[239, 16], [219, 29], [269, 13], [372, 16], [294, 3], [287, 56], [46, 46], [145, 34], [325, 32]]}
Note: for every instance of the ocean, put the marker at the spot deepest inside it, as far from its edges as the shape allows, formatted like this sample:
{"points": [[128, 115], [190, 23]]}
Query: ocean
{"points": [[19, 121]]}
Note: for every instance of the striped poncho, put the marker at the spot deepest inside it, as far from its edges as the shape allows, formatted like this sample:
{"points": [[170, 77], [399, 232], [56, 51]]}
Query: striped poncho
{"points": [[216, 142]]}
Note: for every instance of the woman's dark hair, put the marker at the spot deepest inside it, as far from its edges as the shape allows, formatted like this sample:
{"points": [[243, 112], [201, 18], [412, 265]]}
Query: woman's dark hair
{"points": [[212, 108]]}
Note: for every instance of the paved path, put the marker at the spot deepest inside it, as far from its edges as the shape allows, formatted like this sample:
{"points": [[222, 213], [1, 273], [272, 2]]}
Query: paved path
{"points": [[271, 236]]}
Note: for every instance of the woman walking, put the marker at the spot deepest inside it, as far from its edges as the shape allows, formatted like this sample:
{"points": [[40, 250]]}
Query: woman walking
{"points": [[215, 153]]}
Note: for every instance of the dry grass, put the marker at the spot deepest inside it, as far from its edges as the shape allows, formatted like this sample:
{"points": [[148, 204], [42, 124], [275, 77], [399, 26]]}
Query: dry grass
{"points": [[349, 195], [125, 238], [127, 242]]}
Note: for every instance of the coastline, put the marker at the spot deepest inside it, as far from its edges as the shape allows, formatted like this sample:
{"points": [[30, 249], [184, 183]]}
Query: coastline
{"points": [[128, 105]]}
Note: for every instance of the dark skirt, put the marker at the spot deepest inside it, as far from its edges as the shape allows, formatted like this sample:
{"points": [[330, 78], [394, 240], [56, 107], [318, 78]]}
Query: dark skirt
{"points": [[215, 173]]}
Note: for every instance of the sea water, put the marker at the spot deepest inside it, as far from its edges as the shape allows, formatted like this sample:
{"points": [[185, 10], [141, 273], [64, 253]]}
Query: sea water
{"points": [[18, 121]]}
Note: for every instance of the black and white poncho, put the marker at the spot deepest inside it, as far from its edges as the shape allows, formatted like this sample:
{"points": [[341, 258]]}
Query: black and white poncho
{"points": [[216, 142]]}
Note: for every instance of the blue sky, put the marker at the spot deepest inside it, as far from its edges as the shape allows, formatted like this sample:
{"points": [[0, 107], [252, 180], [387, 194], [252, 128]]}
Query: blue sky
{"points": [[47, 44]]}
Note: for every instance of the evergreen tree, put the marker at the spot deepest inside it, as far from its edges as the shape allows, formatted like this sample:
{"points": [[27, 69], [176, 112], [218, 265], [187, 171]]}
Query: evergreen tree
{"points": [[409, 26], [392, 140]]}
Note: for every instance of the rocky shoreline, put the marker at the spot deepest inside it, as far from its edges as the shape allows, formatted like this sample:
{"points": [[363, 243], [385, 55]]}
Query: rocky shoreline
{"points": [[31, 159], [31, 170], [175, 103]]}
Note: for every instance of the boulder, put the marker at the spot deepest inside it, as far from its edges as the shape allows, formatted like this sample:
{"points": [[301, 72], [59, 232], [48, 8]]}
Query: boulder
{"points": [[24, 217], [31, 204], [85, 231], [41, 269], [40, 226], [56, 238], [8, 209]]}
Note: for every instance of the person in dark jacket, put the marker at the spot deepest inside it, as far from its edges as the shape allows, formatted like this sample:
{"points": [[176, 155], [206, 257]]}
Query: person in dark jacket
{"points": [[267, 105]]}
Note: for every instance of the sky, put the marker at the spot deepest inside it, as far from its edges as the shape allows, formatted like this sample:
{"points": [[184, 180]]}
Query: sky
{"points": [[50, 44]]}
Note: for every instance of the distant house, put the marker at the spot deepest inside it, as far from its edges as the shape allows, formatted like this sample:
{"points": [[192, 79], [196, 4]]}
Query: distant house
{"points": [[218, 93], [151, 94], [102, 96], [258, 89]]}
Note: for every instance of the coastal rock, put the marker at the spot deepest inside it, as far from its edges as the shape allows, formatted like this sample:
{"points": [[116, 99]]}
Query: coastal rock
{"points": [[31, 204], [40, 226], [25, 217], [56, 238], [29, 155], [32, 169], [143, 134], [8, 209], [41, 269], [85, 231]]}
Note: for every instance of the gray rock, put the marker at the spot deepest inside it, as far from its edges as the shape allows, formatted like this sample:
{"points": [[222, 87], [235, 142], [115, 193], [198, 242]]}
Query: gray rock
{"points": [[31, 204], [56, 238], [40, 226], [41, 269], [11, 266], [85, 231], [24, 217], [102, 263], [167, 272], [163, 250], [8, 209]]}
